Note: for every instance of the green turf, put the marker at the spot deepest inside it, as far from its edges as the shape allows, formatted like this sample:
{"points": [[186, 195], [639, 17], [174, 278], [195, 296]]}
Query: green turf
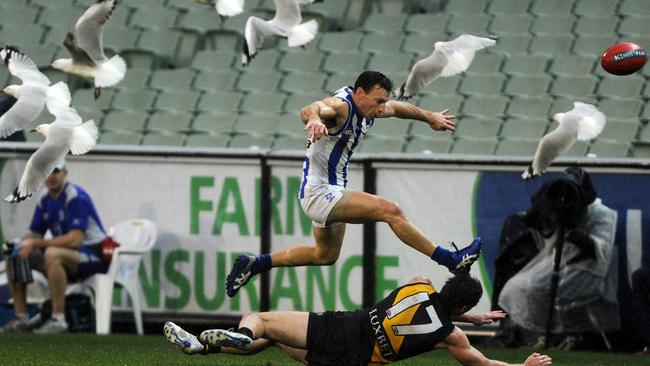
{"points": [[18, 349]]}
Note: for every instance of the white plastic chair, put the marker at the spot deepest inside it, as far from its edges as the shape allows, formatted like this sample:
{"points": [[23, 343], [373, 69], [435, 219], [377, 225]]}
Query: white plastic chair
{"points": [[136, 237]]}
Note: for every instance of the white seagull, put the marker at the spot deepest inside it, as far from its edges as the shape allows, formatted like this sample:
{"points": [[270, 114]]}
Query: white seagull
{"points": [[66, 133], [447, 59], [33, 94], [285, 23], [85, 46], [229, 8], [584, 122]]}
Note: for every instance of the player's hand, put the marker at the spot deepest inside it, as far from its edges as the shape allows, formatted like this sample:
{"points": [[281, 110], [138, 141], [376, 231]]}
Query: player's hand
{"points": [[441, 121], [26, 247], [538, 360], [315, 129], [488, 318]]}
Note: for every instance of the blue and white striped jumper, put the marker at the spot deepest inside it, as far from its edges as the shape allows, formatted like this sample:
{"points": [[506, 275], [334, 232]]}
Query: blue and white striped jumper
{"points": [[327, 159]]}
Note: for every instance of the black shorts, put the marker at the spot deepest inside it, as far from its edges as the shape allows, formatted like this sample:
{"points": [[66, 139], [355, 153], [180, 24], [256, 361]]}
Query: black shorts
{"points": [[338, 338]]}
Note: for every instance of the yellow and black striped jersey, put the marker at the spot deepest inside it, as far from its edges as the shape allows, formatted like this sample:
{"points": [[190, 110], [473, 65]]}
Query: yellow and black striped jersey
{"points": [[409, 321]]}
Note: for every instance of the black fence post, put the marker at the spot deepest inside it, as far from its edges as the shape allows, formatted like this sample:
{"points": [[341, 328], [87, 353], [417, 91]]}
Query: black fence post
{"points": [[369, 240], [265, 231]]}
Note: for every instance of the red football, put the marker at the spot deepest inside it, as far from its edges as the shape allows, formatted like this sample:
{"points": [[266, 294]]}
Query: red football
{"points": [[623, 58]]}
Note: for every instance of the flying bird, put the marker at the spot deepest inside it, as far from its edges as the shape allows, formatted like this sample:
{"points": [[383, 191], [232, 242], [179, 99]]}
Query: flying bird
{"points": [[584, 122], [66, 133], [229, 8], [85, 46], [285, 23], [447, 59], [33, 94]]}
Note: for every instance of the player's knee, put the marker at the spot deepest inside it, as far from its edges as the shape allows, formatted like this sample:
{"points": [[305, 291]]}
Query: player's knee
{"points": [[326, 258], [392, 211]]}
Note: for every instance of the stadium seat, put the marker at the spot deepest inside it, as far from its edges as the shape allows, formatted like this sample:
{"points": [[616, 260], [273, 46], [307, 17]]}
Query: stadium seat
{"points": [[635, 24], [290, 143], [596, 25], [484, 146], [574, 85], [346, 62], [177, 100], [224, 40], [522, 84], [54, 34], [295, 102], [264, 102], [119, 138], [382, 43], [18, 14], [172, 79], [372, 144], [251, 142], [595, 7], [565, 104], [385, 23], [17, 34], [570, 64], [487, 63], [156, 17], [251, 80], [620, 130], [422, 43], [478, 127], [118, 40], [392, 64], [220, 101], [217, 79], [85, 98], [336, 81], [621, 108], [340, 41], [510, 23], [169, 122], [579, 149], [529, 106], [482, 84], [424, 131], [43, 55], [135, 99], [610, 148], [485, 106], [623, 87], [49, 4], [431, 23], [125, 121], [633, 7], [215, 59], [641, 150], [289, 124], [468, 23], [163, 139], [557, 7], [510, 7], [213, 123], [593, 44], [60, 15], [517, 147], [255, 124], [437, 102], [299, 82], [524, 63], [512, 43], [465, 7], [429, 145], [440, 86], [524, 128], [332, 15], [203, 141], [142, 59], [551, 43], [190, 6], [553, 24], [201, 21], [161, 42], [388, 128], [265, 60], [301, 61]]}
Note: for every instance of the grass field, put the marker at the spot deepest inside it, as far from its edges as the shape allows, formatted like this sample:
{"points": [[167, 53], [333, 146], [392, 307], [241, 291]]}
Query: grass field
{"points": [[18, 349]]}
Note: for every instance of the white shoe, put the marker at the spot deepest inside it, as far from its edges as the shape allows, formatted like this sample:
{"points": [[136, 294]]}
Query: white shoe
{"points": [[16, 325], [183, 340], [225, 338], [52, 326]]}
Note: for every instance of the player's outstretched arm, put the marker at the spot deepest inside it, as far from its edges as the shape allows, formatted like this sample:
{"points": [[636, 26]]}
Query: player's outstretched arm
{"points": [[439, 121], [321, 115], [459, 346], [480, 319]]}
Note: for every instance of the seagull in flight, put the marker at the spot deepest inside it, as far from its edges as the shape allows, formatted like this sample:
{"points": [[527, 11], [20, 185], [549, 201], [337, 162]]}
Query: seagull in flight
{"points": [[66, 133], [229, 8], [85, 46], [33, 94], [286, 23], [584, 122], [447, 59]]}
